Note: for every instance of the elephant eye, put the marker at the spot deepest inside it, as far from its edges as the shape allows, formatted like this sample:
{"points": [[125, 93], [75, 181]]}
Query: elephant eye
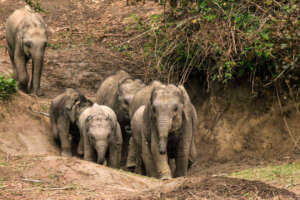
{"points": [[28, 44], [126, 102]]}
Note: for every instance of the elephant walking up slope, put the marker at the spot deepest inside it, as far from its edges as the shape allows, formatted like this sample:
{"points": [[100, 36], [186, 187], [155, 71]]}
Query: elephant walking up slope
{"points": [[26, 38], [117, 92], [163, 129], [65, 110], [101, 134]]}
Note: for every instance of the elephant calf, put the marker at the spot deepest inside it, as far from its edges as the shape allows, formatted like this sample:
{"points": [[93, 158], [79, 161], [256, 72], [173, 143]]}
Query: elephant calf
{"points": [[164, 129], [101, 134], [117, 92], [26, 38], [65, 110]]}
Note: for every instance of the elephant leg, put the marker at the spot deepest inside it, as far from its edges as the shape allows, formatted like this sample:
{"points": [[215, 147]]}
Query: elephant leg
{"points": [[11, 56], [22, 75], [114, 156], [89, 153], [125, 144], [80, 146], [193, 154], [115, 149], [131, 157], [183, 152], [172, 165], [148, 161], [63, 130]]}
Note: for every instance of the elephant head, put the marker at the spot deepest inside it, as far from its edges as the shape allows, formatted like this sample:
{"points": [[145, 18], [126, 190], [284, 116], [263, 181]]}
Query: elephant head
{"points": [[166, 111], [127, 88], [103, 134], [99, 131], [74, 103]]}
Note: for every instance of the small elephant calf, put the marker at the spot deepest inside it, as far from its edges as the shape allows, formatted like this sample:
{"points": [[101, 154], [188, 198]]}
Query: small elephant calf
{"points": [[65, 110], [101, 134]]}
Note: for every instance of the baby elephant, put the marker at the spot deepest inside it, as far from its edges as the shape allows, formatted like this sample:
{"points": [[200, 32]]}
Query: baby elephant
{"points": [[65, 110], [26, 38], [117, 92], [101, 134]]}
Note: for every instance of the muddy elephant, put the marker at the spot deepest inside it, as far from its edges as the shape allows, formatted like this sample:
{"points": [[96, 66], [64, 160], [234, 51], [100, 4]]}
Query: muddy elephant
{"points": [[101, 135], [164, 129], [26, 38], [117, 92], [65, 110]]}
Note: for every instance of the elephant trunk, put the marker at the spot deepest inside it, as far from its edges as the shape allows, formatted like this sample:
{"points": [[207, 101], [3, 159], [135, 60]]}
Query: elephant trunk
{"points": [[101, 148], [37, 65], [164, 125]]}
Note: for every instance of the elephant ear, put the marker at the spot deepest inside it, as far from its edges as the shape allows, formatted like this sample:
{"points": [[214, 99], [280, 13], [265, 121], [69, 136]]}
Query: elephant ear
{"points": [[186, 98], [190, 114], [152, 96], [120, 82], [147, 118]]}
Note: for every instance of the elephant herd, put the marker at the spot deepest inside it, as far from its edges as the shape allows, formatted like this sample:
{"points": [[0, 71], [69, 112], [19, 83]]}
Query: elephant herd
{"points": [[148, 129]]}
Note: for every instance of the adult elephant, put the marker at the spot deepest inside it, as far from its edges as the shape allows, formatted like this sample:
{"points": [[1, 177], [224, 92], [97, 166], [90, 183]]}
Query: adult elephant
{"points": [[101, 135], [164, 129], [26, 38], [65, 110]]}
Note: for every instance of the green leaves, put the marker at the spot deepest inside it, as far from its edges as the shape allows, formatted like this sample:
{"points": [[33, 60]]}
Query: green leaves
{"points": [[35, 4], [7, 87]]}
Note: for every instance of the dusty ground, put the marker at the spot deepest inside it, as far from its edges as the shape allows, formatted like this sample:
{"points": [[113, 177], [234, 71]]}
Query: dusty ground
{"points": [[80, 32]]}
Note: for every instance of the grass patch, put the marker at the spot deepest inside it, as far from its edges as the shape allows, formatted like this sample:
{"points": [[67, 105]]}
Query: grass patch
{"points": [[282, 174]]}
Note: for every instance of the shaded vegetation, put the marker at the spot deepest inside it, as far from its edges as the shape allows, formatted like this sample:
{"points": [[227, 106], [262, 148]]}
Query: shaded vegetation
{"points": [[7, 87], [224, 40]]}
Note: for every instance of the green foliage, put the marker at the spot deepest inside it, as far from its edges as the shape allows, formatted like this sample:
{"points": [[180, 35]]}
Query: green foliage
{"points": [[7, 87], [287, 173], [35, 4], [225, 40]]}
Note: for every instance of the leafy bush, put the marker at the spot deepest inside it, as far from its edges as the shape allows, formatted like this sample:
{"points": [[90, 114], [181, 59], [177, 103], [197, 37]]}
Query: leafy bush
{"points": [[227, 39], [7, 87]]}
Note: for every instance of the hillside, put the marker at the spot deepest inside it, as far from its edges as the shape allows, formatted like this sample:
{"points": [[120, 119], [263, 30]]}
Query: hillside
{"points": [[237, 130]]}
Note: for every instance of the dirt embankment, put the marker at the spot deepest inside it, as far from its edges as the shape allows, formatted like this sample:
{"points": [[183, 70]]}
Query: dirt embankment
{"points": [[237, 124]]}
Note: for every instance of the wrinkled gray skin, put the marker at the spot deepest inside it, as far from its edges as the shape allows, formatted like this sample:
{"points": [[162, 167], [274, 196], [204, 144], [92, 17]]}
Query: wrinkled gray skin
{"points": [[26, 38], [65, 110], [142, 97], [164, 129], [101, 135], [117, 92]]}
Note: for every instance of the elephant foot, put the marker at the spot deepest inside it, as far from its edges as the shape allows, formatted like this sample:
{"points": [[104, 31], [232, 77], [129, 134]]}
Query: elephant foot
{"points": [[23, 88], [130, 169], [66, 154], [166, 177], [38, 93]]}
